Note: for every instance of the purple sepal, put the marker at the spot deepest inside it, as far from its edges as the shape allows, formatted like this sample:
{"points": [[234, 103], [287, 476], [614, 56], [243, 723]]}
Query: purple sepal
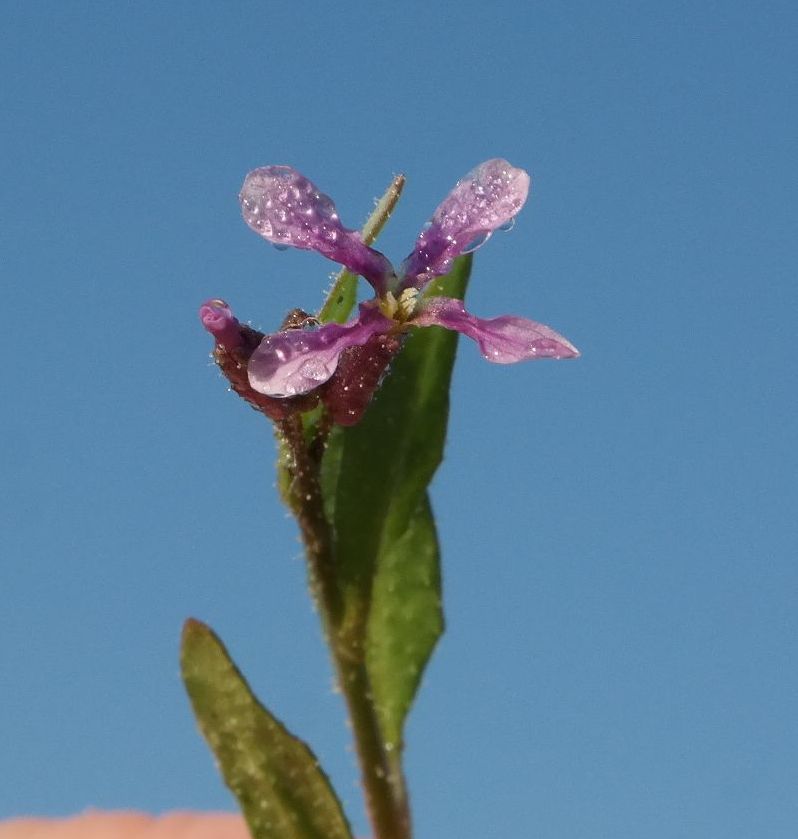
{"points": [[288, 210], [502, 340], [219, 320], [486, 199], [360, 371], [298, 360]]}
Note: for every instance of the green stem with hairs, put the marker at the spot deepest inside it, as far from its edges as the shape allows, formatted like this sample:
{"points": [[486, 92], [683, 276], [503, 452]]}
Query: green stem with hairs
{"points": [[383, 783]]}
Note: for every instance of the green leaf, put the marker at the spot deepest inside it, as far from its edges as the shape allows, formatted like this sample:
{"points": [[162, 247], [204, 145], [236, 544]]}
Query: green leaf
{"points": [[405, 620], [341, 299], [374, 476], [277, 780]]}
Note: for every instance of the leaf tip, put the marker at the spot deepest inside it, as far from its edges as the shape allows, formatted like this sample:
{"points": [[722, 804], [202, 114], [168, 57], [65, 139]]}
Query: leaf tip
{"points": [[194, 636], [192, 626]]}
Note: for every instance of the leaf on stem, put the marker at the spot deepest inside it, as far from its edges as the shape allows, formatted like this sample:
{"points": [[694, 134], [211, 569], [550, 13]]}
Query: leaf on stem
{"points": [[374, 478], [405, 620], [277, 780]]}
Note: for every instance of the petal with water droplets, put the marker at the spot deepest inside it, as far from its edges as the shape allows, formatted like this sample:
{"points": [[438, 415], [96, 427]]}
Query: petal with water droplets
{"points": [[486, 199], [502, 340], [288, 210], [297, 361]]}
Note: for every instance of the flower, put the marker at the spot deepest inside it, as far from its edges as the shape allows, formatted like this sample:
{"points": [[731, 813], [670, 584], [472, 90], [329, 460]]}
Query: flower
{"points": [[288, 210]]}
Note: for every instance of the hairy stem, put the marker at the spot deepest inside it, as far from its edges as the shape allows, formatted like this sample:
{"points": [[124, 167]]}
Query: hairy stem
{"points": [[383, 782]]}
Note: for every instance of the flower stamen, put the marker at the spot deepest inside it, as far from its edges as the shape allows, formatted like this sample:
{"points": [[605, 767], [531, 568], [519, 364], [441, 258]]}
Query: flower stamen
{"points": [[388, 305], [407, 304]]}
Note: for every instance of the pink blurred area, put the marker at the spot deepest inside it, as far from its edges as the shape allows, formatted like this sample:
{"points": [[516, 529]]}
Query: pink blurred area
{"points": [[128, 825]]}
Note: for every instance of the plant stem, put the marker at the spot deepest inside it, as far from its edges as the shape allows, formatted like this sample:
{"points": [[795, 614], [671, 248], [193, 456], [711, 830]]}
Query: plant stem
{"points": [[383, 783]]}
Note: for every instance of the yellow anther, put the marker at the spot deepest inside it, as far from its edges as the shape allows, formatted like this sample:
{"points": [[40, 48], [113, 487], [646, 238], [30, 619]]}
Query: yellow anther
{"points": [[388, 305], [407, 303]]}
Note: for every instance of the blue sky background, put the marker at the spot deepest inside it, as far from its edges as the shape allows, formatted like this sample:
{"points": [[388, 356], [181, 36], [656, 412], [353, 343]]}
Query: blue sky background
{"points": [[619, 532]]}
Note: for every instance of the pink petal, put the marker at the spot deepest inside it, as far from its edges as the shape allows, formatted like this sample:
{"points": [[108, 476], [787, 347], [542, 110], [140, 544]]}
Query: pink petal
{"points": [[288, 210], [484, 200], [501, 340], [297, 360]]}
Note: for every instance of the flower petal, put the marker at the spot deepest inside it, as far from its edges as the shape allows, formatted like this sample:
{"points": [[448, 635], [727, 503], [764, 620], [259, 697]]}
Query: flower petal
{"points": [[288, 210], [297, 360], [218, 318], [485, 199], [501, 340]]}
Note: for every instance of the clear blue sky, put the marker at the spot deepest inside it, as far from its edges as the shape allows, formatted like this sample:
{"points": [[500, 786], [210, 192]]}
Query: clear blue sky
{"points": [[619, 532]]}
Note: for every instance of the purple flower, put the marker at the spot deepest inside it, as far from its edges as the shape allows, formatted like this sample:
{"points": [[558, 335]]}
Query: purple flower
{"points": [[289, 211]]}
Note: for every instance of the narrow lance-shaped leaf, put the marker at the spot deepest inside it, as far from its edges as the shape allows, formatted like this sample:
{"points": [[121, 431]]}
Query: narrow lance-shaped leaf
{"points": [[277, 780], [405, 620], [375, 476]]}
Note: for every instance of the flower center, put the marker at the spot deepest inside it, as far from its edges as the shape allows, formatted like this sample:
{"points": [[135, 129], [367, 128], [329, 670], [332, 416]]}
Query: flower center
{"points": [[402, 309]]}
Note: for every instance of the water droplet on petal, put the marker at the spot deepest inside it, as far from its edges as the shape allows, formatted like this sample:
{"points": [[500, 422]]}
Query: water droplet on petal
{"points": [[508, 225], [315, 370], [281, 247], [476, 243]]}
